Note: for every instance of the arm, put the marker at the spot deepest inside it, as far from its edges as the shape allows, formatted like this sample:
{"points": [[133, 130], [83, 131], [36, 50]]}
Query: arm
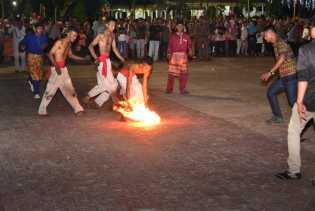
{"points": [[169, 48], [75, 57], [278, 64], [266, 76], [92, 45], [51, 57], [52, 52], [114, 47], [129, 81], [303, 77], [145, 88], [189, 46]]}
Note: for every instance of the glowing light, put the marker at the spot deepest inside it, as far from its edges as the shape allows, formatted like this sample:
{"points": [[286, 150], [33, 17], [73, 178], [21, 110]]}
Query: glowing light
{"points": [[14, 3], [137, 111]]}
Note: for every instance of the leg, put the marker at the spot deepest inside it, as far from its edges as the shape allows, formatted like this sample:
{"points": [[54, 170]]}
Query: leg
{"points": [[294, 131], [142, 48], [151, 48], [170, 83], [69, 92], [291, 91], [23, 62], [182, 82], [51, 89], [138, 48], [99, 88], [274, 89], [156, 50], [16, 60]]}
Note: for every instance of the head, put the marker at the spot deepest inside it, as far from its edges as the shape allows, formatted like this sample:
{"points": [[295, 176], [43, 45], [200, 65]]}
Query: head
{"points": [[72, 34], [110, 24], [117, 65], [39, 28], [270, 34], [146, 63], [180, 27]]}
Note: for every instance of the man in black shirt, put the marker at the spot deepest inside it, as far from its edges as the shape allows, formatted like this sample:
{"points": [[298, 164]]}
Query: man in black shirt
{"points": [[304, 109], [141, 33], [155, 38]]}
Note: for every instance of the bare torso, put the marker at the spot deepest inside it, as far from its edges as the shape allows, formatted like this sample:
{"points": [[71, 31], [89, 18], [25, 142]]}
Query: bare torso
{"points": [[105, 42], [62, 50]]}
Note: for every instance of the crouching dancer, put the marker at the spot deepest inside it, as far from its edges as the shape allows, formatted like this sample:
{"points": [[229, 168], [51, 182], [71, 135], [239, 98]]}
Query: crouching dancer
{"points": [[59, 77], [130, 86]]}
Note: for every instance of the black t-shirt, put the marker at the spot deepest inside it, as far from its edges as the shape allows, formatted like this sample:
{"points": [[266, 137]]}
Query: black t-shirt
{"points": [[155, 32], [306, 72], [140, 32]]}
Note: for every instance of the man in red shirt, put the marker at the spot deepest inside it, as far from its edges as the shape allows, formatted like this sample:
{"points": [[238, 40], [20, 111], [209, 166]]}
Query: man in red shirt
{"points": [[178, 48]]}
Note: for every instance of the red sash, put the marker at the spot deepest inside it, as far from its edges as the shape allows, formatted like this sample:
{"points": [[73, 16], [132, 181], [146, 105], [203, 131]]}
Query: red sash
{"points": [[103, 58], [60, 64], [125, 72]]}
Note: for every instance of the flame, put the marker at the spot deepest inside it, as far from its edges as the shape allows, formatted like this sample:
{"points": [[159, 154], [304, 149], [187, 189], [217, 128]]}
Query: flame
{"points": [[136, 110]]}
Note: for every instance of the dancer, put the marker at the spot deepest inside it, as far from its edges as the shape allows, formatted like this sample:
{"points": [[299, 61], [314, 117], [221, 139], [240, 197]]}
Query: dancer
{"points": [[59, 77], [130, 86], [106, 83]]}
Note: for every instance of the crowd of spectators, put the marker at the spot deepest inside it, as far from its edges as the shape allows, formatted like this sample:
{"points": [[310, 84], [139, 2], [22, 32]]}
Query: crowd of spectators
{"points": [[228, 36]]}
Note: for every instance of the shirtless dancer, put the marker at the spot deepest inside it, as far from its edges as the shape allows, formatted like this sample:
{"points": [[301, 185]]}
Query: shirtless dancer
{"points": [[59, 77], [130, 86], [106, 83]]}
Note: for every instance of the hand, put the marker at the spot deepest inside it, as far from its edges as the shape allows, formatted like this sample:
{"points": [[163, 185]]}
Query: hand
{"points": [[122, 60], [96, 62], [265, 77], [190, 53], [302, 111], [58, 70]]}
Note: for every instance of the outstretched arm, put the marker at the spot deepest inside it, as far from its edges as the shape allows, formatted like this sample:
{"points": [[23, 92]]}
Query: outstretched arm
{"points": [[75, 57]]}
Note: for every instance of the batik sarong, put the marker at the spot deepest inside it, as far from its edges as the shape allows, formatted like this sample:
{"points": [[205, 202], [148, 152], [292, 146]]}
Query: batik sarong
{"points": [[178, 64]]}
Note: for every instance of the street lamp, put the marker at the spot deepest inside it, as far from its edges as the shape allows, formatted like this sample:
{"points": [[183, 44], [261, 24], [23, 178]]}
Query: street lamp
{"points": [[14, 3]]}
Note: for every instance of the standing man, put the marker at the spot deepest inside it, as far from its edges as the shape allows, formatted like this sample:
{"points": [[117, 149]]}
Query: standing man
{"points": [[155, 39], [178, 48], [304, 109], [286, 68], [106, 83], [59, 77], [141, 34], [34, 45], [18, 34]]}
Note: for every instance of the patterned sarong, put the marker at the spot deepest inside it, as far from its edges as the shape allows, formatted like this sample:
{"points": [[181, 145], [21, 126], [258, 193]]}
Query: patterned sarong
{"points": [[178, 64], [34, 64]]}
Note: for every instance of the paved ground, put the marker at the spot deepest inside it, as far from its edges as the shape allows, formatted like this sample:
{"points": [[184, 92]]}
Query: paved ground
{"points": [[212, 151]]}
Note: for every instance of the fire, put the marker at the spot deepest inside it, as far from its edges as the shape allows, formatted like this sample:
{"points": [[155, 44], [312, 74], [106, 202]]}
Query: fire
{"points": [[137, 111]]}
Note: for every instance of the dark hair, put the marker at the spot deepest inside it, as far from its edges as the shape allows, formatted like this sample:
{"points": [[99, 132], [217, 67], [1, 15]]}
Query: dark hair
{"points": [[71, 29], [312, 22], [110, 19], [117, 65], [39, 24], [270, 28], [147, 60]]}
